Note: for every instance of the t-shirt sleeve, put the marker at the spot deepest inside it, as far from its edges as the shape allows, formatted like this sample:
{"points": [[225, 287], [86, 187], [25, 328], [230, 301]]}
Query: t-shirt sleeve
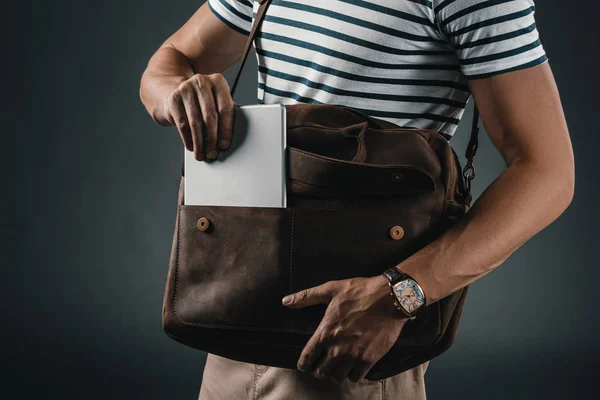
{"points": [[491, 36], [235, 13]]}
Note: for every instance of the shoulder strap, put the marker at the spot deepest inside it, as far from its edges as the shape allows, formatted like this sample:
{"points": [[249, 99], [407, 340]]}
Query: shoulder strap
{"points": [[473, 140], [262, 8]]}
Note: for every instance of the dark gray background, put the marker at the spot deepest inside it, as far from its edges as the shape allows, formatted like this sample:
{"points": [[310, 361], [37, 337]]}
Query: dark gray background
{"points": [[88, 217]]}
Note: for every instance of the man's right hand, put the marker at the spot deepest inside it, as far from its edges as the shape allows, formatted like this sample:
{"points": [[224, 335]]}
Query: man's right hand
{"points": [[202, 109], [183, 85]]}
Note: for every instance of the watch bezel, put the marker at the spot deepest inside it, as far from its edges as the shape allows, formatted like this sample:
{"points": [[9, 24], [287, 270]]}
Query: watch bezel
{"points": [[397, 300]]}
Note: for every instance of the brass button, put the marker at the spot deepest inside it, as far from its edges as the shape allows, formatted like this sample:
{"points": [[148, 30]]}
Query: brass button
{"points": [[203, 224], [397, 177], [396, 232]]}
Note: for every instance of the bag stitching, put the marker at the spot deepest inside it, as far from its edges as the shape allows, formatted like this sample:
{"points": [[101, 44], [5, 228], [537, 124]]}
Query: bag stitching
{"points": [[316, 158], [254, 383], [177, 264], [291, 250]]}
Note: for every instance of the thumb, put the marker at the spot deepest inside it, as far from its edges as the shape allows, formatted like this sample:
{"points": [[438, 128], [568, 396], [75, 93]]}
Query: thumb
{"points": [[321, 294]]}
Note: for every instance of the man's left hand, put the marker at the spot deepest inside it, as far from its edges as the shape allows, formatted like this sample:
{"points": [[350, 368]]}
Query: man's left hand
{"points": [[360, 325]]}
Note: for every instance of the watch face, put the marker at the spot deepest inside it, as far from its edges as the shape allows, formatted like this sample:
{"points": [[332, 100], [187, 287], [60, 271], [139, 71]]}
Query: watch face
{"points": [[409, 295]]}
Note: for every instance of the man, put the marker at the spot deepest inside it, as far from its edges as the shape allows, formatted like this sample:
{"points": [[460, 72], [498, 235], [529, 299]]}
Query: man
{"points": [[412, 62]]}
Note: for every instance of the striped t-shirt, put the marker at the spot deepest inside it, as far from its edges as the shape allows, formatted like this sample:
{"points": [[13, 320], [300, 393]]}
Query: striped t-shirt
{"points": [[405, 61]]}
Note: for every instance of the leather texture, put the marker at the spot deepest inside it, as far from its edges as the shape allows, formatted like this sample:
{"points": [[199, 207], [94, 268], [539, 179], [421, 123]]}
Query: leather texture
{"points": [[350, 179], [225, 283]]}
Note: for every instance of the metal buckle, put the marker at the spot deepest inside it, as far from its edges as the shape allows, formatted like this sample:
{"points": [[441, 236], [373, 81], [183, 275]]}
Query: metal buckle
{"points": [[469, 177]]}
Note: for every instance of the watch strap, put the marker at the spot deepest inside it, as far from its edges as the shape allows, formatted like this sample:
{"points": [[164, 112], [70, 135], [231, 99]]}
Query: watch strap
{"points": [[394, 275]]}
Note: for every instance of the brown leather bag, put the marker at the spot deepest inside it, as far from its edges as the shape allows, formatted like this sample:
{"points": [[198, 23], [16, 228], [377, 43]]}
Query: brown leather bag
{"points": [[353, 181]]}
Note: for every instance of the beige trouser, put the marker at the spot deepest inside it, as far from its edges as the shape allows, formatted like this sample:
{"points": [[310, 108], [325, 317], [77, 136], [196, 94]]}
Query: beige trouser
{"points": [[232, 380]]}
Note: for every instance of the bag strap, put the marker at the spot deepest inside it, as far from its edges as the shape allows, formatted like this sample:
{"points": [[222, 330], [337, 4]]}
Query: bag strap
{"points": [[262, 8], [468, 171]]}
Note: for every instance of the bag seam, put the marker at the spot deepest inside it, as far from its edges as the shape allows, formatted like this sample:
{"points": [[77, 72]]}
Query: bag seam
{"points": [[291, 250]]}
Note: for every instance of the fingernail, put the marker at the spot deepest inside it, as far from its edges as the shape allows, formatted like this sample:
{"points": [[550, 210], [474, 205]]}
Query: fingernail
{"points": [[223, 143], [287, 300], [212, 154]]}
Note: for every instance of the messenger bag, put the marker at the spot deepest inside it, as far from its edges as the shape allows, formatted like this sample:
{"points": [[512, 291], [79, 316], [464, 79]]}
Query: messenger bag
{"points": [[363, 194]]}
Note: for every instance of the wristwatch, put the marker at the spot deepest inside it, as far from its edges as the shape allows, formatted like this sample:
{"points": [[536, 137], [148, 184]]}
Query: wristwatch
{"points": [[408, 296]]}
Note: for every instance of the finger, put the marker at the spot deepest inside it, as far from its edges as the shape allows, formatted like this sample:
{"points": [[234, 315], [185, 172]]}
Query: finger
{"points": [[225, 108], [341, 371], [359, 371], [194, 117], [312, 352], [177, 112], [209, 115], [321, 294], [325, 366]]}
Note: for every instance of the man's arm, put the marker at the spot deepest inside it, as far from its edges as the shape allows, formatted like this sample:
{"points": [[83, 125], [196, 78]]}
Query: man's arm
{"points": [[522, 113], [183, 83], [523, 116]]}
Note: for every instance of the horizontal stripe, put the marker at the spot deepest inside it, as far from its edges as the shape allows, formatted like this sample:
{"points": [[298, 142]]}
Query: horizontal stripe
{"points": [[472, 9], [386, 58], [504, 54], [426, 3], [226, 21], [443, 5], [246, 3], [404, 115], [363, 95], [359, 22], [352, 39], [446, 136], [295, 96], [235, 11], [362, 78], [390, 11], [389, 114], [498, 38], [530, 64], [410, 123], [492, 21], [351, 58]]}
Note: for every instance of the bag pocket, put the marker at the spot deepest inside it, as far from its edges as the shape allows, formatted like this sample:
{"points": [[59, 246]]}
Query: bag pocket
{"points": [[235, 264], [231, 269]]}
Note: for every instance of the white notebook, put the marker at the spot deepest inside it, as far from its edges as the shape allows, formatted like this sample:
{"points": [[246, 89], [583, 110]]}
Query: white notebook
{"points": [[252, 171]]}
